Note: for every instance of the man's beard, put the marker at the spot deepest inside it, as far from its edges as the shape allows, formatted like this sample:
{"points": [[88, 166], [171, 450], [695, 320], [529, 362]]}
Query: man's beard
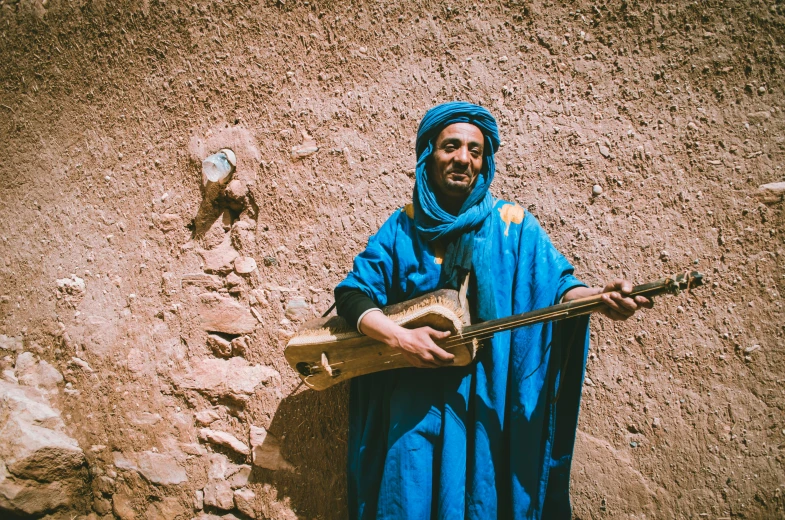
{"points": [[458, 188]]}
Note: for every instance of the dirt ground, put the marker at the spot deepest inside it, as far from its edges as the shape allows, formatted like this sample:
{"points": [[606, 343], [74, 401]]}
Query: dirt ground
{"points": [[108, 108]]}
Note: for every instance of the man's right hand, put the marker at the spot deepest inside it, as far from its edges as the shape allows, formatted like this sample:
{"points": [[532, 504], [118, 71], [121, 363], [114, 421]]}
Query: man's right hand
{"points": [[419, 348], [417, 345]]}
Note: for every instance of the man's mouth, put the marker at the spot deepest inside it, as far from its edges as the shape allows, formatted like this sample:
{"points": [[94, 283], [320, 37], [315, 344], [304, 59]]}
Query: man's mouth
{"points": [[462, 175]]}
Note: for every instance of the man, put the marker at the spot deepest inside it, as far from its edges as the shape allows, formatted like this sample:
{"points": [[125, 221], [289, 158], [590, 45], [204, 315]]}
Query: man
{"points": [[493, 439]]}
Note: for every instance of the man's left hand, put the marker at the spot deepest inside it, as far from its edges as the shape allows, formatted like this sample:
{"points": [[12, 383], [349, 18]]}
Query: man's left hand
{"points": [[618, 304]]}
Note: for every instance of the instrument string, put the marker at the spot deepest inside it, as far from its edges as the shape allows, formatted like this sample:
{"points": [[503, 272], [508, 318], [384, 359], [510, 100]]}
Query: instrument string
{"points": [[484, 333]]}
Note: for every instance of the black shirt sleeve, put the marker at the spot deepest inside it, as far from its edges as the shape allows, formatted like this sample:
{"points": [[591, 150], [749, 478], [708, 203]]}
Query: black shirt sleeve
{"points": [[351, 303]]}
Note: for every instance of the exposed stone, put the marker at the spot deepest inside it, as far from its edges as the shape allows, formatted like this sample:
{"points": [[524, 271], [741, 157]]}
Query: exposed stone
{"points": [[219, 465], [205, 281], [232, 379], [160, 468], [308, 147], [33, 498], [220, 346], [104, 484], [73, 286], [24, 362], [604, 150], [223, 314], [123, 461], [192, 448], [218, 493], [40, 375], [243, 500], [596, 190], [233, 280], [198, 500], [206, 417], [298, 310], [12, 343], [236, 191], [244, 264], [33, 444], [239, 477], [102, 506], [166, 508], [8, 375], [220, 258], [240, 346], [224, 439], [144, 418], [771, 193], [81, 364], [266, 451], [122, 508]]}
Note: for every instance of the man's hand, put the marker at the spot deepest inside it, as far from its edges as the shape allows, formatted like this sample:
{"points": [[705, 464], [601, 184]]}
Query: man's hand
{"points": [[618, 304], [420, 350], [417, 345]]}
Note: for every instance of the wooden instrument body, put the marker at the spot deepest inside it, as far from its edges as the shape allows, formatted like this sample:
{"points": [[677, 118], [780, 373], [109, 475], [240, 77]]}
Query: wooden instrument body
{"points": [[326, 351]]}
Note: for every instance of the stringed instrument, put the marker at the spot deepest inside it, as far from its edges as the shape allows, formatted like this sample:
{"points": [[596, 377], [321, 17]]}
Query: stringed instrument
{"points": [[327, 351]]}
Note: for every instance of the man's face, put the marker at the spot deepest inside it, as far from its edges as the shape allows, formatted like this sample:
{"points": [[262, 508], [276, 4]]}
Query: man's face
{"points": [[457, 160]]}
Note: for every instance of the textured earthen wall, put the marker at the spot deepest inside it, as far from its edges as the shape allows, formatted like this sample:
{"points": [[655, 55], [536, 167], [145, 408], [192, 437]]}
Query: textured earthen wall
{"points": [[143, 315]]}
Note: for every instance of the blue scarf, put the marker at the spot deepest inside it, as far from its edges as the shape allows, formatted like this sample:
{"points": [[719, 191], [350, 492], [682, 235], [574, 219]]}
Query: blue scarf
{"points": [[433, 222]]}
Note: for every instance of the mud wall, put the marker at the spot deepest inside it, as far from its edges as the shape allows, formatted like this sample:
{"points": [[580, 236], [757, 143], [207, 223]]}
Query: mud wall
{"points": [[148, 313]]}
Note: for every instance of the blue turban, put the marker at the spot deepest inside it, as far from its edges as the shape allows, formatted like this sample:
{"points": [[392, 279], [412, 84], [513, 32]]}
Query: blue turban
{"points": [[432, 221]]}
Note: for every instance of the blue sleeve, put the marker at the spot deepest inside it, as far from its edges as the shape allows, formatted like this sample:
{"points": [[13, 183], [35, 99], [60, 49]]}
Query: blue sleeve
{"points": [[373, 269], [557, 261]]}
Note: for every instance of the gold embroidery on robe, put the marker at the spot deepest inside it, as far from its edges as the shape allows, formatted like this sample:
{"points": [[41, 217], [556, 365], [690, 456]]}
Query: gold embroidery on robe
{"points": [[511, 213], [438, 252]]}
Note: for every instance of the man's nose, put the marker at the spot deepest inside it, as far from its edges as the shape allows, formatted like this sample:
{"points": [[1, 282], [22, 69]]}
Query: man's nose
{"points": [[462, 155]]}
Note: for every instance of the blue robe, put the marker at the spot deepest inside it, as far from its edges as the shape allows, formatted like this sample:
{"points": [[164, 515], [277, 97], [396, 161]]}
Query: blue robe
{"points": [[489, 440]]}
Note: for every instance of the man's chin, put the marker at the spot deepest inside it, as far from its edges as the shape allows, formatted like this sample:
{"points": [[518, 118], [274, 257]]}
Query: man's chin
{"points": [[458, 188]]}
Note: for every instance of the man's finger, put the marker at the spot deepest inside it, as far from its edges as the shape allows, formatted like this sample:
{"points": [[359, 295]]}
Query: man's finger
{"points": [[437, 334], [610, 302], [629, 303], [625, 286], [442, 355], [624, 302], [644, 302]]}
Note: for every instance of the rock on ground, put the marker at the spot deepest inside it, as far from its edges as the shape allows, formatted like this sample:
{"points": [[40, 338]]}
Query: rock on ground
{"points": [[771, 193], [41, 467], [244, 501], [218, 493], [158, 468], [234, 378], [224, 439], [266, 450], [223, 314]]}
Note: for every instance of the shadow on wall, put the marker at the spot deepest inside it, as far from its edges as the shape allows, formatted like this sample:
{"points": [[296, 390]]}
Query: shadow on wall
{"points": [[312, 430]]}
